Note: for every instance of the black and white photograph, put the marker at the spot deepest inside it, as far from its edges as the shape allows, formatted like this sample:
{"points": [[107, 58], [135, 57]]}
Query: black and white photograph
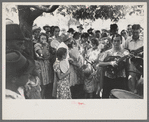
{"points": [[76, 57]]}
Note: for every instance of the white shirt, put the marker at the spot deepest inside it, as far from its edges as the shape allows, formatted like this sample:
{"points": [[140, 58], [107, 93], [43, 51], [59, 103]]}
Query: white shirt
{"points": [[13, 95]]}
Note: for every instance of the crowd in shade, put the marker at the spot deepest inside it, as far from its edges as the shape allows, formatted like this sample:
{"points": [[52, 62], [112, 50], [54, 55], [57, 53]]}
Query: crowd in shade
{"points": [[74, 64]]}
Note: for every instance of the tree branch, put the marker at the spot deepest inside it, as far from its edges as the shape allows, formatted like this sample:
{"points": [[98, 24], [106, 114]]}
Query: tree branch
{"points": [[47, 9]]}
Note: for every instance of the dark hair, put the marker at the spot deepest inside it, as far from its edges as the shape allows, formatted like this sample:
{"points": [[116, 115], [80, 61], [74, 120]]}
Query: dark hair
{"points": [[76, 34], [84, 35], [113, 27], [116, 35], [86, 74], [123, 32], [43, 34], [104, 35], [55, 28], [60, 53], [97, 31], [129, 25], [95, 41], [136, 27]]}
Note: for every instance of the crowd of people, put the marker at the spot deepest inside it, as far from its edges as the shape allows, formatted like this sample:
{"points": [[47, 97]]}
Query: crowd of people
{"points": [[74, 64]]}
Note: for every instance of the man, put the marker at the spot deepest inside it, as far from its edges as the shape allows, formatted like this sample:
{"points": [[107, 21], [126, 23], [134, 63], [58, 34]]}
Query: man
{"points": [[112, 80], [129, 30], [131, 44], [36, 32], [15, 40], [70, 32], [97, 34], [47, 28], [85, 43], [80, 28], [90, 32], [18, 69]]}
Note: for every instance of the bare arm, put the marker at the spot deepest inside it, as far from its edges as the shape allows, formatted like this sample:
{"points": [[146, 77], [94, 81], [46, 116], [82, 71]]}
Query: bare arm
{"points": [[102, 64], [63, 75]]}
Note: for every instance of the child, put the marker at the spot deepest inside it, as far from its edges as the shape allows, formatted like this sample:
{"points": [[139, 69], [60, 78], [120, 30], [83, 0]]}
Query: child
{"points": [[62, 71], [89, 80], [32, 88]]}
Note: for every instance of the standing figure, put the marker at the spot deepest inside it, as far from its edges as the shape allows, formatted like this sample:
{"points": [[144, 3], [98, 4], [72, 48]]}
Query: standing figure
{"points": [[42, 53], [89, 81], [61, 88], [133, 43], [18, 69], [80, 28], [113, 80]]}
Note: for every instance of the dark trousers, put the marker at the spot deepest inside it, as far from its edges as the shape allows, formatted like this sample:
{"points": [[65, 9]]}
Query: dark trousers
{"points": [[77, 91], [116, 83]]}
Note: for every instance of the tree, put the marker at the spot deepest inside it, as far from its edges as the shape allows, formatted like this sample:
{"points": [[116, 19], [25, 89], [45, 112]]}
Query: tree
{"points": [[104, 12], [27, 14]]}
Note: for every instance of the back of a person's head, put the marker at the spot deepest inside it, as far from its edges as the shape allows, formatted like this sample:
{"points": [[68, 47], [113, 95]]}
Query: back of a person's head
{"points": [[86, 71], [76, 35], [113, 27], [104, 35], [97, 31], [94, 41], [84, 35], [136, 27], [60, 53]]}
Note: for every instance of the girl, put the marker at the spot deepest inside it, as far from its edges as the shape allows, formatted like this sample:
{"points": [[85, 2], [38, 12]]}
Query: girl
{"points": [[61, 83], [43, 65]]}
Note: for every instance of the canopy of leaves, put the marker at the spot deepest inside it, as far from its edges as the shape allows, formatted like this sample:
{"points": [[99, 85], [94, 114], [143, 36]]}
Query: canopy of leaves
{"points": [[92, 12]]}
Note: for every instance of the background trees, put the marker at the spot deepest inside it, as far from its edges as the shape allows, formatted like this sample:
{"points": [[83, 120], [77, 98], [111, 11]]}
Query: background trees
{"points": [[28, 14]]}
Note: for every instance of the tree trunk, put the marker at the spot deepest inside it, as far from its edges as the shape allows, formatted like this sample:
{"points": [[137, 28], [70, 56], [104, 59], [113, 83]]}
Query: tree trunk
{"points": [[26, 19], [26, 27]]}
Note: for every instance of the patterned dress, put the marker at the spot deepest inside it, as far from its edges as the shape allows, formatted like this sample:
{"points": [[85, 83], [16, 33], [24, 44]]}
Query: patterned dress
{"points": [[63, 87]]}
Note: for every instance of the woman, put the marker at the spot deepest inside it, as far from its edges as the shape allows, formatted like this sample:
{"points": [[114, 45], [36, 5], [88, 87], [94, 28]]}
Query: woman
{"points": [[118, 80], [56, 39], [42, 64], [62, 87]]}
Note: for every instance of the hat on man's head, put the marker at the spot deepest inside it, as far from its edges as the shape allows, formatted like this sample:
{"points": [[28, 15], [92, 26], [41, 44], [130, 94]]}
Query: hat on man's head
{"points": [[85, 35], [46, 26], [90, 29], [70, 30], [66, 38], [136, 27], [113, 27], [13, 32], [17, 64], [80, 26], [35, 27]]}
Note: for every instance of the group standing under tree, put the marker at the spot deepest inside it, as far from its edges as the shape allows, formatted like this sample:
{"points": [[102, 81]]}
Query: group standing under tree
{"points": [[74, 64]]}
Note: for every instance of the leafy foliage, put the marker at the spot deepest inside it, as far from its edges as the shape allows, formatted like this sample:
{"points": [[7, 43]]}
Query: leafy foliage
{"points": [[92, 12]]}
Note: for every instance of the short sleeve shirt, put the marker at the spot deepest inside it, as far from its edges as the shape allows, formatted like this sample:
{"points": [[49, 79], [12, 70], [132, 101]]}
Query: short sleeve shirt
{"points": [[133, 45], [112, 53]]}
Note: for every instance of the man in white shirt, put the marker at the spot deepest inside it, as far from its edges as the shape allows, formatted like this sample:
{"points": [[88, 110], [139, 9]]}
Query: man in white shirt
{"points": [[131, 44]]}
